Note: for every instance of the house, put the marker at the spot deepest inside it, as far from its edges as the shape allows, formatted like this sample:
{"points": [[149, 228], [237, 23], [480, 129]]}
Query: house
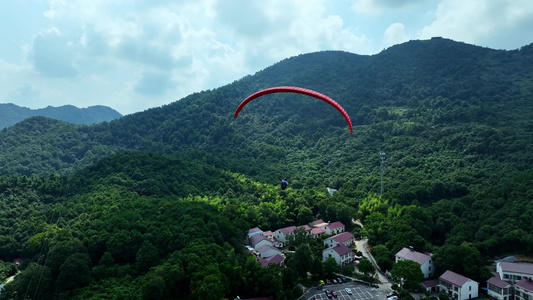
{"points": [[430, 285], [345, 238], [505, 283], [341, 253], [252, 250], [269, 234], [268, 251], [316, 232], [457, 286], [499, 289], [424, 259], [259, 240], [334, 228], [319, 224], [524, 289], [283, 233], [253, 231], [514, 271], [276, 259]]}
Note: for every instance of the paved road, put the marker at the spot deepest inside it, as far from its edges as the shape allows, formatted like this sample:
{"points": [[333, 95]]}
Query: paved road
{"points": [[362, 246]]}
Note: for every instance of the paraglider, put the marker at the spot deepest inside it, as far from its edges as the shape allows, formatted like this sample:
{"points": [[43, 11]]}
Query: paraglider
{"points": [[284, 183], [291, 89]]}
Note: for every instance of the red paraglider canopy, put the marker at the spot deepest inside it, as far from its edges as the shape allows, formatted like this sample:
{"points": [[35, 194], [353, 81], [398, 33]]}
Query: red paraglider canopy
{"points": [[292, 89]]}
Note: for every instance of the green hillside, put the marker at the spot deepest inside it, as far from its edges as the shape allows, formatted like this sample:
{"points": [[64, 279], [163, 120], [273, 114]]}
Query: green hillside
{"points": [[155, 205]]}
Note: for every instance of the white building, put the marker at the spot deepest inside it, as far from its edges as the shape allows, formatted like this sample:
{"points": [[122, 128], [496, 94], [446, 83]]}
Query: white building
{"points": [[283, 233], [457, 286], [511, 281], [345, 238], [268, 251], [258, 240], [424, 259], [513, 271], [524, 289], [499, 289], [341, 253], [334, 228]]}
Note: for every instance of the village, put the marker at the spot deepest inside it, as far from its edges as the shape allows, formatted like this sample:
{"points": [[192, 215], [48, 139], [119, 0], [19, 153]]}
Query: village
{"points": [[512, 278]]}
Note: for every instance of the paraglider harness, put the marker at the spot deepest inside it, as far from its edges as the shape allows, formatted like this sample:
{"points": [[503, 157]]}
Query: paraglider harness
{"points": [[284, 183]]}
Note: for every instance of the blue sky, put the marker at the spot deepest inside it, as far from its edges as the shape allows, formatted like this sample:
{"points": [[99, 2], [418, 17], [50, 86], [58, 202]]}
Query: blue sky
{"points": [[133, 55]]}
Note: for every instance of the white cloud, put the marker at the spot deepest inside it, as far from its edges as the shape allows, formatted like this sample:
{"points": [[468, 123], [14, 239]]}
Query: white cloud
{"points": [[484, 22], [395, 34], [376, 7], [134, 54], [52, 55]]}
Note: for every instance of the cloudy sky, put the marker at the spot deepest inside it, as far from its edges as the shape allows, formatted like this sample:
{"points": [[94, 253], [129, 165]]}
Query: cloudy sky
{"points": [[133, 55]]}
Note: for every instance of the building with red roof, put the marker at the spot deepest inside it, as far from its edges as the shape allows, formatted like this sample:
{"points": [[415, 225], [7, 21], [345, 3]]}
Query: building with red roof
{"points": [[345, 238], [458, 286], [499, 289], [511, 278], [335, 228], [430, 285], [316, 232], [424, 259], [524, 289], [259, 240], [276, 259], [514, 271], [283, 233], [341, 253]]}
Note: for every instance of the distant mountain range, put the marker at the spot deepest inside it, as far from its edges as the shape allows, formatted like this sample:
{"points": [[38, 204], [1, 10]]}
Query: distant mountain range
{"points": [[10, 114]]}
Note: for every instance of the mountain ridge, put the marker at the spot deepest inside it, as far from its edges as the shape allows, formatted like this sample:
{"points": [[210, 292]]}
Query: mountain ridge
{"points": [[10, 114], [423, 91]]}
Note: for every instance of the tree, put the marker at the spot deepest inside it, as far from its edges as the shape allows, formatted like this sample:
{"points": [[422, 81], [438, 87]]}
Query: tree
{"points": [[464, 259], [409, 272], [107, 260], [147, 256], [270, 281], [318, 268], [298, 237], [74, 272], [331, 267], [301, 260], [210, 287], [382, 256], [25, 284], [365, 266], [305, 214], [154, 287]]}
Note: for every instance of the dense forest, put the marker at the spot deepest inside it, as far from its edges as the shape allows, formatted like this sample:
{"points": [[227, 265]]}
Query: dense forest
{"points": [[156, 205]]}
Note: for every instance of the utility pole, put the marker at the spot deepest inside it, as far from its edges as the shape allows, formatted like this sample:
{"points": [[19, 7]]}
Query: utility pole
{"points": [[382, 156]]}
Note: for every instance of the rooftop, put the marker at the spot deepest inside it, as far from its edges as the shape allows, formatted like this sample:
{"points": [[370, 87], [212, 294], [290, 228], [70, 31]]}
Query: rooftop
{"points": [[525, 284], [316, 231], [335, 225], [498, 282], [341, 249], [342, 237], [266, 248], [430, 283], [454, 278], [513, 267], [410, 254]]}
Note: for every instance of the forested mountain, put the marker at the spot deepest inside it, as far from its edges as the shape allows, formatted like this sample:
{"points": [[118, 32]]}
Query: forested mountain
{"points": [[163, 197], [10, 114]]}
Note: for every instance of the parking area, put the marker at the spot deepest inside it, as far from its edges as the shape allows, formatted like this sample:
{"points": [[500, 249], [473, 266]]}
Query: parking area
{"points": [[359, 292]]}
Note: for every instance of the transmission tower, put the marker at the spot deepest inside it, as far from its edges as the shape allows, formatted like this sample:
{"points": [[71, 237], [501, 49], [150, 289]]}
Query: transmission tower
{"points": [[382, 156]]}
